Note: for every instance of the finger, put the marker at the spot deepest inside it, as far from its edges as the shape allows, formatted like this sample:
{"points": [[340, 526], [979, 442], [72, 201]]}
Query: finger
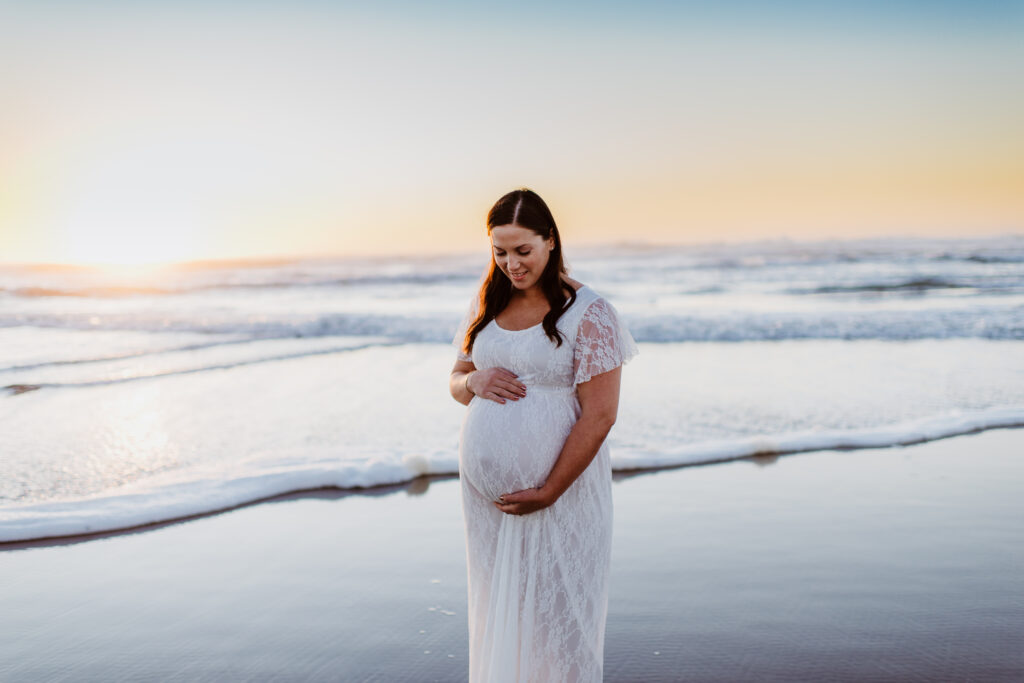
{"points": [[502, 382], [504, 385], [514, 387], [500, 392], [508, 506], [495, 392], [507, 373], [511, 381]]}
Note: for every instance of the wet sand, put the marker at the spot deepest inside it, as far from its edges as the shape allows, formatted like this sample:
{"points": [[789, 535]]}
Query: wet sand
{"points": [[897, 564]]}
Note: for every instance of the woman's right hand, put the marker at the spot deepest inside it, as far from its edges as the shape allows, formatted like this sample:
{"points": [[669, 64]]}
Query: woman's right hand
{"points": [[496, 384]]}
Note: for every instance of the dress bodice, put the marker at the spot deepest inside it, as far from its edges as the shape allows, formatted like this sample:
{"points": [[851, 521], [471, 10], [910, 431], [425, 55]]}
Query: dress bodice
{"points": [[530, 353], [593, 341]]}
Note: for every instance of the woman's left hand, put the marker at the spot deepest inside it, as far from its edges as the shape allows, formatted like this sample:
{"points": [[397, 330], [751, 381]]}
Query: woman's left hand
{"points": [[524, 502]]}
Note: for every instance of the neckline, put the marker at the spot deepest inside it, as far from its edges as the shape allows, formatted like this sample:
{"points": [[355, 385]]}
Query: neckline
{"points": [[531, 327]]}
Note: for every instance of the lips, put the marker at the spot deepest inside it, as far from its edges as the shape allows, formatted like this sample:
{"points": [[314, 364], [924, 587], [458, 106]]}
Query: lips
{"points": [[517, 276]]}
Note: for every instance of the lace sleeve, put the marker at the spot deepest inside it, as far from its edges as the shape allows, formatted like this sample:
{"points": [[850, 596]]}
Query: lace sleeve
{"points": [[602, 342], [460, 334]]}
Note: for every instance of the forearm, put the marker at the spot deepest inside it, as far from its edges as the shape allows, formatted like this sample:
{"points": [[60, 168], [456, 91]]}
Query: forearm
{"points": [[458, 389], [579, 450]]}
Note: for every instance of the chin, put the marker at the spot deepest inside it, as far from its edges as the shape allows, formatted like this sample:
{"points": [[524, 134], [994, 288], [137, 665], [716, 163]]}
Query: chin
{"points": [[524, 284]]}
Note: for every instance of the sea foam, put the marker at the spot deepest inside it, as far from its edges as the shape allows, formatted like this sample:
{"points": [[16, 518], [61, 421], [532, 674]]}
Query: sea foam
{"points": [[209, 489]]}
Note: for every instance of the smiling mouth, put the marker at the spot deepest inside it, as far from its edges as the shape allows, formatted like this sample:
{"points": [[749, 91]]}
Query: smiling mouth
{"points": [[518, 276]]}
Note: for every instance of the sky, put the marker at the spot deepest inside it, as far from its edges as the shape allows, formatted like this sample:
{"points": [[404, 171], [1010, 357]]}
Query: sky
{"points": [[139, 132]]}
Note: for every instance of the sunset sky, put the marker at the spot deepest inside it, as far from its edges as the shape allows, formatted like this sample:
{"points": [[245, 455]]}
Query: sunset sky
{"points": [[138, 132]]}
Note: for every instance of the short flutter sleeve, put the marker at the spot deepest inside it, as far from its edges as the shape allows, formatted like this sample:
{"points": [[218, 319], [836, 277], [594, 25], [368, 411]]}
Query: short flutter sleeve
{"points": [[460, 334], [602, 342]]}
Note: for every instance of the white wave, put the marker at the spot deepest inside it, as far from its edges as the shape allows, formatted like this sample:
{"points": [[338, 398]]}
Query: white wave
{"points": [[204, 490], [996, 322], [343, 345], [209, 489], [901, 434], [959, 321]]}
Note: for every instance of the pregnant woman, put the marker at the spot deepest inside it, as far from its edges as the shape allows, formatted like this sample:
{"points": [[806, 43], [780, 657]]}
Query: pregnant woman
{"points": [[539, 366]]}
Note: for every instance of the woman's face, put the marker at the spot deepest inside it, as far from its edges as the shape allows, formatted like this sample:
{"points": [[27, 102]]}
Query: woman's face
{"points": [[521, 254]]}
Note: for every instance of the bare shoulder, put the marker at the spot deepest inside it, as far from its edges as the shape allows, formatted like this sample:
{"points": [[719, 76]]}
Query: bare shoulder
{"points": [[575, 284]]}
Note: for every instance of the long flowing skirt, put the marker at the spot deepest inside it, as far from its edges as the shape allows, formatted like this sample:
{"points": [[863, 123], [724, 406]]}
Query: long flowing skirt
{"points": [[538, 583]]}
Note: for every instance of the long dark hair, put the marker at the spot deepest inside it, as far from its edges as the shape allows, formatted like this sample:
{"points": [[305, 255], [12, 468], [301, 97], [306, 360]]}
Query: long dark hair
{"points": [[523, 207]]}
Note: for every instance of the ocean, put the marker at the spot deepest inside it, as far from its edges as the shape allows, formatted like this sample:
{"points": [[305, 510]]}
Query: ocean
{"points": [[131, 397]]}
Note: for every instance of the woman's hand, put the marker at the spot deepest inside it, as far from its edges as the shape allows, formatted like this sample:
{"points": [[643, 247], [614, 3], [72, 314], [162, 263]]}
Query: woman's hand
{"points": [[524, 502], [496, 384]]}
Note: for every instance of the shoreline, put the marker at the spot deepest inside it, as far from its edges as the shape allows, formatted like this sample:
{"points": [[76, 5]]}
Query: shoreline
{"points": [[897, 564], [885, 437]]}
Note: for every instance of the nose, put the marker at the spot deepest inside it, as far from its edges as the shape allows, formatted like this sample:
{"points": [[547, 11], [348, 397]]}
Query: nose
{"points": [[513, 262]]}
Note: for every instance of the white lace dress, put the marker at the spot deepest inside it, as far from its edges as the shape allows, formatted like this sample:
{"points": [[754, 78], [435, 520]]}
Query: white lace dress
{"points": [[538, 583]]}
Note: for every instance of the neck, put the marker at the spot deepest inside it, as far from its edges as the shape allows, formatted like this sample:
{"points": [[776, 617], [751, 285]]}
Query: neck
{"points": [[532, 294]]}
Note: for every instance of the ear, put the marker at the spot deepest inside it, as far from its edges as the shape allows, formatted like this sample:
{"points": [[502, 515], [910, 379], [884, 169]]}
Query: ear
{"points": [[551, 243]]}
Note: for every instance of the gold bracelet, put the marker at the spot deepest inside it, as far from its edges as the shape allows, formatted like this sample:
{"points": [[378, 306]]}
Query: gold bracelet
{"points": [[467, 382]]}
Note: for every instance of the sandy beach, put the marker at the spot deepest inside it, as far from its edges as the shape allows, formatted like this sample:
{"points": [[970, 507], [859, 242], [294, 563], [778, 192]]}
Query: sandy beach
{"points": [[895, 564]]}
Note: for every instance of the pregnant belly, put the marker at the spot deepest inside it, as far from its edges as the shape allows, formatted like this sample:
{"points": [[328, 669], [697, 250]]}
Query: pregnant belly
{"points": [[513, 446]]}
